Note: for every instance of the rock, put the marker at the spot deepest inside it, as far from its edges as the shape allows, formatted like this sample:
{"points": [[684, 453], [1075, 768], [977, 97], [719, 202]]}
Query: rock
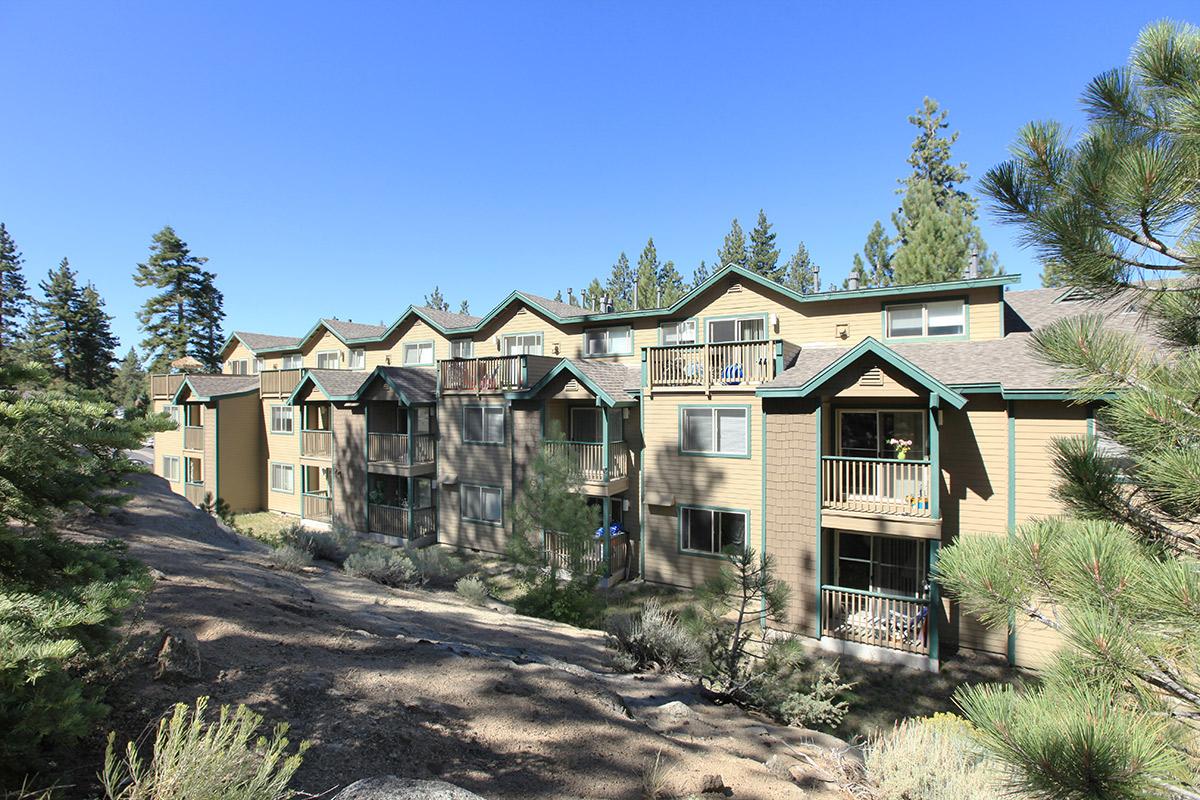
{"points": [[809, 777], [780, 765], [712, 784], [675, 708], [156, 575], [503, 608], [390, 787], [178, 656], [756, 730]]}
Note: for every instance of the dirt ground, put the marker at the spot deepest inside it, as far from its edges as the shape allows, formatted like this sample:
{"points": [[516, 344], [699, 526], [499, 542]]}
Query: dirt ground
{"points": [[420, 684]]}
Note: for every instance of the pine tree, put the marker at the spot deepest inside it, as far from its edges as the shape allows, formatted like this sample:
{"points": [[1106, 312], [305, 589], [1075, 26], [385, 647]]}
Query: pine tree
{"points": [[464, 308], [206, 308], [930, 155], [61, 320], [1054, 275], [590, 297], [620, 284], [799, 272], [875, 264], [558, 298], [96, 344], [646, 277], [14, 293], [733, 251], [167, 317], [1115, 713], [670, 284], [764, 255], [700, 275], [128, 389], [435, 300]]}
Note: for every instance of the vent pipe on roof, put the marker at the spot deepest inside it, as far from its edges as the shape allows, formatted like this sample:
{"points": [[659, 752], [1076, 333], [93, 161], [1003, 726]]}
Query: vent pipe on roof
{"points": [[852, 281], [816, 277], [973, 265], [570, 296]]}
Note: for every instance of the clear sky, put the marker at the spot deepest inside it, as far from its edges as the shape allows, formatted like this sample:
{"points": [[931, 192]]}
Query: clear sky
{"points": [[339, 159]]}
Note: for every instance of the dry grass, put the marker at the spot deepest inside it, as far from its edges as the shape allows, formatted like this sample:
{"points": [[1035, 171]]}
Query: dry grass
{"points": [[266, 526]]}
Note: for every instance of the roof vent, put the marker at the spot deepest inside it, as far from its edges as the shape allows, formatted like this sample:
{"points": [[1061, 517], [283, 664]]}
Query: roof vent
{"points": [[572, 386], [734, 288], [872, 377]]}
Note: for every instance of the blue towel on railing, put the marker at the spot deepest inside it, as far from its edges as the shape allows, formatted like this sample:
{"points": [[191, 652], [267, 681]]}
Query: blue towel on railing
{"points": [[732, 374], [613, 530]]}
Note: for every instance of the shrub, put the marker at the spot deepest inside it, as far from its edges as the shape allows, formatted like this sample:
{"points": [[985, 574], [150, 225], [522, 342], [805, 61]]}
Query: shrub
{"points": [[334, 546], [290, 557], [198, 760], [472, 589], [653, 638], [819, 706], [932, 759], [382, 565], [437, 567], [574, 602]]}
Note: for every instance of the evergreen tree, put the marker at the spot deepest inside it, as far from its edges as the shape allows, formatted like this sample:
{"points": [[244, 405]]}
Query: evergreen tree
{"points": [[435, 300], [558, 298], [799, 271], [875, 263], [14, 293], [733, 251], [620, 284], [700, 275], [128, 389], [1115, 715], [206, 308], [61, 323], [96, 345], [764, 255], [464, 307], [646, 277], [930, 155], [1054, 275], [670, 284], [35, 345], [590, 297], [167, 318]]}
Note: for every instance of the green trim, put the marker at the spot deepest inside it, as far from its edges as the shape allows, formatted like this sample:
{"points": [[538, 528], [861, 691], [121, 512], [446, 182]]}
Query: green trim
{"points": [[483, 423], [1012, 518], [955, 337], [380, 373], [643, 528], [333, 398], [877, 348], [271, 420], [762, 518], [198, 398], [765, 316], [934, 618], [820, 538], [462, 499], [586, 331], [270, 465], [566, 365], [701, 454], [432, 352], [933, 433], [679, 548]]}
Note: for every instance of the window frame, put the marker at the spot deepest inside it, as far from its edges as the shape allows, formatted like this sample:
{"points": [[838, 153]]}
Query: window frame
{"points": [[924, 306], [875, 563], [458, 344], [291, 419], [484, 410], [737, 319], [683, 451], [481, 488], [177, 472], [271, 477], [296, 357], [418, 344], [662, 341], [175, 412], [357, 359], [714, 510], [541, 342], [337, 357], [238, 366], [607, 331]]}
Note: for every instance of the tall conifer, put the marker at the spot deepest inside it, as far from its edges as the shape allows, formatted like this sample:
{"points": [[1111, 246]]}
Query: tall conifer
{"points": [[646, 277], [168, 317], [14, 292], [620, 284], [733, 251], [764, 255]]}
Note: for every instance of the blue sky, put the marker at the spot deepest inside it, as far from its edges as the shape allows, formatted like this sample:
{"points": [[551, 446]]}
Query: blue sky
{"points": [[312, 150]]}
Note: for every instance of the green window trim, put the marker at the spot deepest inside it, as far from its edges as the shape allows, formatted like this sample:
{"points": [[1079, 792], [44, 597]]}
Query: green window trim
{"points": [[317, 358], [608, 353], [483, 423], [681, 550], [716, 406], [925, 337], [462, 503]]}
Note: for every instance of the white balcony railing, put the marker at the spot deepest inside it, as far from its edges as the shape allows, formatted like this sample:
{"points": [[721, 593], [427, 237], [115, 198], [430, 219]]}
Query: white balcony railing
{"points": [[875, 618], [703, 366], [876, 485], [587, 458]]}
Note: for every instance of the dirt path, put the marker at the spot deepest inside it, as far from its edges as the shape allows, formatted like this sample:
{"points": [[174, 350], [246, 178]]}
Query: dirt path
{"points": [[418, 684]]}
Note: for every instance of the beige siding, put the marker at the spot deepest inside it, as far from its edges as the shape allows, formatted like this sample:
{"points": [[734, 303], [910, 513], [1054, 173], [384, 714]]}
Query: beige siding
{"points": [[238, 352], [168, 443], [391, 351], [322, 341], [791, 502], [284, 449], [350, 462], [240, 431], [477, 464]]}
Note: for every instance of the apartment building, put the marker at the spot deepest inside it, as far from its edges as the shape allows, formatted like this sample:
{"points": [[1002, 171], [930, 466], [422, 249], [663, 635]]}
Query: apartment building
{"points": [[849, 434]]}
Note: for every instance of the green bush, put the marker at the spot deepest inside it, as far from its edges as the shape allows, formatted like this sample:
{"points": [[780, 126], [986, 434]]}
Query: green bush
{"points": [[934, 758], [290, 557], [472, 589], [382, 565], [653, 638], [334, 546], [198, 760], [574, 602], [819, 704], [437, 567]]}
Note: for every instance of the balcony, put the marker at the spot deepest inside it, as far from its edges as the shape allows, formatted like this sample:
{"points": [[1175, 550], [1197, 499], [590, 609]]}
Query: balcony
{"points": [[164, 386], [393, 449], [588, 460], [491, 374], [316, 444], [195, 493], [193, 437], [881, 486], [318, 506], [278, 382], [559, 556], [876, 619], [708, 367], [395, 521]]}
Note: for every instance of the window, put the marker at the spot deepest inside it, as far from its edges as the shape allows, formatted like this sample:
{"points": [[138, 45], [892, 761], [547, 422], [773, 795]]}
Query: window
{"points": [[682, 332], [516, 344], [170, 468], [865, 434], [283, 477], [715, 431], [483, 424], [482, 504], [737, 329], [941, 318], [174, 413], [193, 470], [585, 424], [238, 367], [418, 354], [259, 365], [358, 359], [704, 530], [462, 348], [282, 419], [293, 362], [608, 342], [422, 493], [329, 359], [881, 564]]}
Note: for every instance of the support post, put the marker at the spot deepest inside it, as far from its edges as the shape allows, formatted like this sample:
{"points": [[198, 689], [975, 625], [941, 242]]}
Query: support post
{"points": [[935, 602], [820, 534], [604, 439], [935, 460]]}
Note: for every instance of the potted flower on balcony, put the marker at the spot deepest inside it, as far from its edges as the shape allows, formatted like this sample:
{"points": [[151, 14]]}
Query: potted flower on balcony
{"points": [[901, 446]]}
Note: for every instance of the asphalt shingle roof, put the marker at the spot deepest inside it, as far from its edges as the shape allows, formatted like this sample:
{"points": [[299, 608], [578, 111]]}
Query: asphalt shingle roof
{"points": [[419, 384], [266, 341], [339, 382], [612, 378], [448, 319], [354, 330], [221, 385], [557, 306]]}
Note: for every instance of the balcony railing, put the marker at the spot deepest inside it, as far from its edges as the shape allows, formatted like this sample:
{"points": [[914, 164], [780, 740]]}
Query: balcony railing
{"points": [[875, 618], [705, 366], [875, 485], [393, 521], [316, 444], [195, 493], [558, 553], [163, 386], [587, 458], [392, 448], [491, 374], [278, 382], [318, 506], [193, 437]]}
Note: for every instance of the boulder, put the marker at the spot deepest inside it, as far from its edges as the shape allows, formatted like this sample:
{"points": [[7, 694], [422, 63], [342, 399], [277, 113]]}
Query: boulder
{"points": [[391, 787], [178, 656]]}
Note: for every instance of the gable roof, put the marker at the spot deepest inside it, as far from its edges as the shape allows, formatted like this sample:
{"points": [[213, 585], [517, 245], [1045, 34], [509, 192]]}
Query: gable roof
{"points": [[210, 387], [347, 330], [446, 319], [611, 383], [414, 385], [335, 384], [254, 342]]}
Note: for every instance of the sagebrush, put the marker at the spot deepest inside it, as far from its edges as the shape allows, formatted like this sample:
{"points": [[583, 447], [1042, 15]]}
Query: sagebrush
{"points": [[653, 638], [933, 758], [383, 565], [472, 589], [290, 557]]}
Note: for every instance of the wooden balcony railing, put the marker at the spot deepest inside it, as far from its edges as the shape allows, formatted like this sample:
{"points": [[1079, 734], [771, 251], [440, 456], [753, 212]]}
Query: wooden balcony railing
{"points": [[705, 366], [318, 506], [193, 437], [316, 444], [195, 493], [875, 618], [588, 458], [164, 386], [278, 382], [491, 374], [558, 553], [393, 521], [392, 448], [875, 485]]}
